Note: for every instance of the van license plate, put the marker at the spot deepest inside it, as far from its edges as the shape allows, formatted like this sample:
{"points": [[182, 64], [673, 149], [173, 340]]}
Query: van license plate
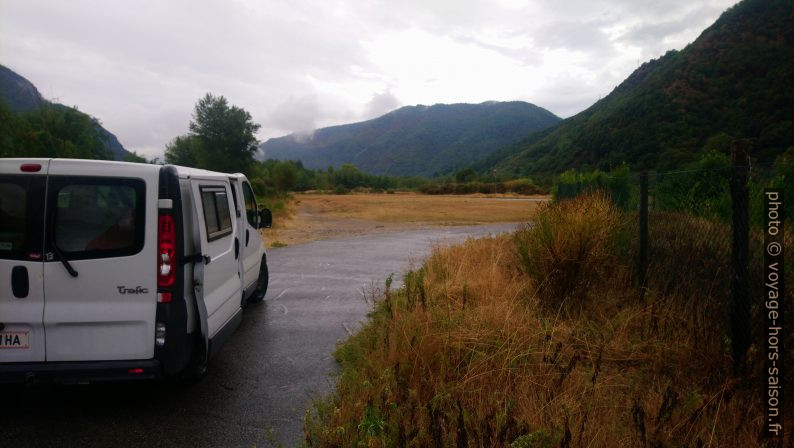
{"points": [[14, 339]]}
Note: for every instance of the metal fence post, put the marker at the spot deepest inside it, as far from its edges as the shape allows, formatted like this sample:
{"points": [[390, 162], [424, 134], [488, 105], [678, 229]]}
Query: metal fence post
{"points": [[740, 305], [642, 267]]}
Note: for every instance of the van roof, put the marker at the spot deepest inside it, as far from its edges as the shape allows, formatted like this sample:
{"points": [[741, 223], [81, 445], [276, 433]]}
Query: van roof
{"points": [[182, 171]]}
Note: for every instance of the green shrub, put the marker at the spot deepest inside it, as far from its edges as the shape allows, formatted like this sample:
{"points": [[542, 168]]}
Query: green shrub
{"points": [[539, 439], [618, 184], [702, 191]]}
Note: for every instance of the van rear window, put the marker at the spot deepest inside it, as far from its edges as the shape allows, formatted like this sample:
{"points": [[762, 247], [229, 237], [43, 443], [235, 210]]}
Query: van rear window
{"points": [[97, 217], [217, 216], [21, 217]]}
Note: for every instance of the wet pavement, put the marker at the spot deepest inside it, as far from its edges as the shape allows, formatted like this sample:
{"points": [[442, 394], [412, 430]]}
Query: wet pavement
{"points": [[262, 382]]}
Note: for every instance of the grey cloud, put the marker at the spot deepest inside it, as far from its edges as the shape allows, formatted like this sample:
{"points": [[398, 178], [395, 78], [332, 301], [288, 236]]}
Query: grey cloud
{"points": [[141, 66], [380, 104], [128, 65], [296, 114], [651, 35], [439, 16], [526, 55], [584, 36], [568, 95]]}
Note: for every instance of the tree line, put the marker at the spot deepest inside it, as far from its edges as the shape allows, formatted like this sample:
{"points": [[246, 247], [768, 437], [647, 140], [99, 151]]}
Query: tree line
{"points": [[222, 137], [50, 131], [700, 188]]}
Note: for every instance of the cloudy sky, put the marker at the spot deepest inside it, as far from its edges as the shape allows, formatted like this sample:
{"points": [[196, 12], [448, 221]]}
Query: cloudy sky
{"points": [[297, 65]]}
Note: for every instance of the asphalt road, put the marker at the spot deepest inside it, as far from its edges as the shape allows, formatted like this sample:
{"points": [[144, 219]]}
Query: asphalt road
{"points": [[264, 379]]}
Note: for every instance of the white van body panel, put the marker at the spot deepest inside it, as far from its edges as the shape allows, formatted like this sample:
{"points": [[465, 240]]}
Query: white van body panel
{"points": [[101, 323], [21, 316], [88, 317], [221, 282]]}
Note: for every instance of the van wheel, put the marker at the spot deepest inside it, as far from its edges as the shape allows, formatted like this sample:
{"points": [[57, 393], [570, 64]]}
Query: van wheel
{"points": [[261, 283]]}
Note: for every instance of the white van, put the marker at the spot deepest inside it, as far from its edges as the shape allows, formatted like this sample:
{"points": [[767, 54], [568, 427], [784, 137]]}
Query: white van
{"points": [[112, 270]]}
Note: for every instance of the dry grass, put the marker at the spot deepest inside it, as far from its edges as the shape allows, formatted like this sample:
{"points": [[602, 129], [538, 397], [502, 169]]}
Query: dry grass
{"points": [[571, 248], [320, 216], [475, 351]]}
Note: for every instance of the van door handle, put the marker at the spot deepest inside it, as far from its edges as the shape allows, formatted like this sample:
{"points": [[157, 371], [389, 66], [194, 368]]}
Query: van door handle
{"points": [[236, 248], [246, 237], [196, 258], [20, 284]]}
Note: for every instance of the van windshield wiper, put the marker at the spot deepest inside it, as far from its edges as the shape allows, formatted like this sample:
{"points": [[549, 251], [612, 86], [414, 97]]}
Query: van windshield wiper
{"points": [[63, 260]]}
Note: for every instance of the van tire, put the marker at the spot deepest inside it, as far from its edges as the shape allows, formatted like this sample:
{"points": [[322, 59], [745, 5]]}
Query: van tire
{"points": [[261, 283]]}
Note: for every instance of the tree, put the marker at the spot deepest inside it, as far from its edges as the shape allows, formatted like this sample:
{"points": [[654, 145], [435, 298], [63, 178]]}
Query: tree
{"points": [[227, 135], [183, 150], [11, 128], [134, 157], [285, 175], [67, 132], [467, 175], [50, 131], [221, 138], [720, 143]]}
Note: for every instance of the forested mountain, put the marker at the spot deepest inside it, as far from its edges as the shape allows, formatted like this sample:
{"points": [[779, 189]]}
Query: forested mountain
{"points": [[19, 93], [416, 140], [735, 81], [34, 126]]}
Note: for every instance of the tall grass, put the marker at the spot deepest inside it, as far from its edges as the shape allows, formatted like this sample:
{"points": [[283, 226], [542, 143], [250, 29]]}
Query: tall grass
{"points": [[570, 248], [539, 339]]}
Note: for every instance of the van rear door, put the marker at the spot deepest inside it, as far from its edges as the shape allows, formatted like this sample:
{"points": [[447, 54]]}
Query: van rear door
{"points": [[220, 278], [102, 219], [22, 186]]}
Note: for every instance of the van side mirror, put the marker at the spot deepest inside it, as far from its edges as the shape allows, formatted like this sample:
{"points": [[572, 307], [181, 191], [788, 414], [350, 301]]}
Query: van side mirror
{"points": [[265, 219]]}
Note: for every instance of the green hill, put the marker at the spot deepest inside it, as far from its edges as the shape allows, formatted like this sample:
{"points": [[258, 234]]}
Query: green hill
{"points": [[735, 81], [416, 140], [69, 132]]}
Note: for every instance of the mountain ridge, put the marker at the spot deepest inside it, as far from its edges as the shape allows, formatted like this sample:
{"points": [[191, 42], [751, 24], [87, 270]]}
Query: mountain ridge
{"points": [[725, 85], [415, 140]]}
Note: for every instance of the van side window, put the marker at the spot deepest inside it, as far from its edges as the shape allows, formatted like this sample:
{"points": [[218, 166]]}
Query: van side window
{"points": [[21, 217], [97, 217], [217, 217], [250, 204]]}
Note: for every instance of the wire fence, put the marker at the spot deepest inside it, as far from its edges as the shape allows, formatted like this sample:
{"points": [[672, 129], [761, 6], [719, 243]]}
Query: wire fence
{"points": [[698, 235]]}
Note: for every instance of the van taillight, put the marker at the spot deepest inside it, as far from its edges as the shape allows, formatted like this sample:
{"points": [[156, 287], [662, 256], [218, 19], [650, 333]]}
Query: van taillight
{"points": [[166, 251]]}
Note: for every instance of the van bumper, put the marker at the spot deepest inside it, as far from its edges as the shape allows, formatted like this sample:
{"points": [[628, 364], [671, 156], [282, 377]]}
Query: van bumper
{"points": [[80, 371]]}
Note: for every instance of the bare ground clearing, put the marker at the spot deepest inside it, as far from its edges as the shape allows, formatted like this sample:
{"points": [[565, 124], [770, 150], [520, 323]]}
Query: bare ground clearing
{"points": [[320, 216]]}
